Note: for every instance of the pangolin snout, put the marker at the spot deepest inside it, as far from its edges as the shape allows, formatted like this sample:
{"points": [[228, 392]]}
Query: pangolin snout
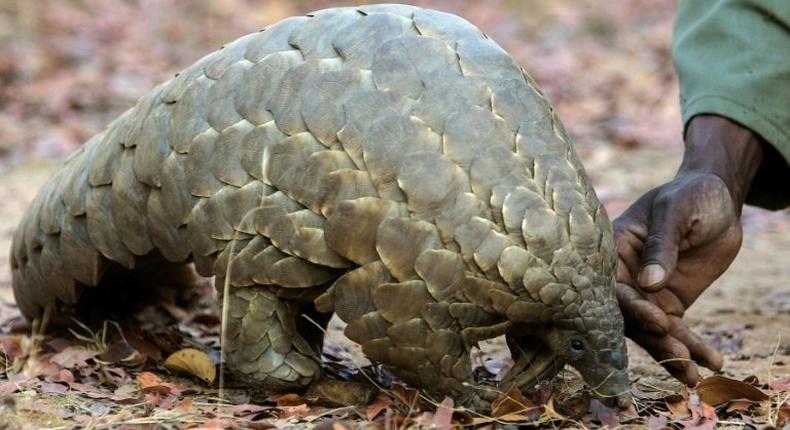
{"points": [[615, 391]]}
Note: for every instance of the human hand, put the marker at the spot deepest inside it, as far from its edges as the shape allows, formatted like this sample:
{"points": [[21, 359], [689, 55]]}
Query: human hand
{"points": [[678, 238], [672, 244]]}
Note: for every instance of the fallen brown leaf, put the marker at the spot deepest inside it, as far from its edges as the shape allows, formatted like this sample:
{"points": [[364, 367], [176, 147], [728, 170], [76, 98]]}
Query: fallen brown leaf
{"points": [[515, 418], [247, 409], [606, 415], [64, 375], [780, 384], [59, 344], [442, 419], [656, 422], [512, 402], [89, 391], [381, 403], [295, 411], [185, 406], [677, 406], [716, 390], [573, 407], [118, 351], [11, 346], [54, 388], [73, 356], [408, 396], [193, 362], [740, 405], [783, 415], [144, 347], [703, 415], [150, 382], [291, 399], [215, 424], [153, 398], [8, 388], [167, 403]]}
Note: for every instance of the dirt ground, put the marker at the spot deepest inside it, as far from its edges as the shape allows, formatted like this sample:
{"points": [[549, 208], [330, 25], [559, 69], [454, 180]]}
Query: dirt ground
{"points": [[608, 73]]}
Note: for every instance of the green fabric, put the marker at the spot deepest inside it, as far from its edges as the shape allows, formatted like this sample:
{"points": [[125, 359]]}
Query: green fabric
{"points": [[733, 59]]}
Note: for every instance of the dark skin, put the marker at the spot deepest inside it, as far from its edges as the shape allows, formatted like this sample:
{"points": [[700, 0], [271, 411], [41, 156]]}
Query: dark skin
{"points": [[678, 238]]}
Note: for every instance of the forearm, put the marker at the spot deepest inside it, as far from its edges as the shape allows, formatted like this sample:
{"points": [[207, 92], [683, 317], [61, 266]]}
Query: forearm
{"points": [[726, 149]]}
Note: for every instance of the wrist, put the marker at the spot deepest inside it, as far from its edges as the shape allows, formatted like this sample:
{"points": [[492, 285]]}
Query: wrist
{"points": [[716, 145]]}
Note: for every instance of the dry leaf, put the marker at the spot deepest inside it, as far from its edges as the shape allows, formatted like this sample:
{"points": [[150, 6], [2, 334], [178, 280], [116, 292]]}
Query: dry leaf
{"points": [[573, 407], [740, 405], [443, 417], [780, 384], [152, 399], [408, 396], [606, 415], [677, 406], [645, 395], [11, 346], [290, 400], [215, 424], [193, 362], [515, 418], [185, 406], [716, 390], [167, 403], [783, 415], [511, 402], [381, 403], [703, 415], [295, 411], [247, 409], [656, 422], [8, 388], [118, 351], [73, 356], [150, 382], [54, 388]]}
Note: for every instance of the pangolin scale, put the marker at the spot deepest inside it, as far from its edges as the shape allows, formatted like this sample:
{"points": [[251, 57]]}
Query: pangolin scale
{"points": [[387, 163]]}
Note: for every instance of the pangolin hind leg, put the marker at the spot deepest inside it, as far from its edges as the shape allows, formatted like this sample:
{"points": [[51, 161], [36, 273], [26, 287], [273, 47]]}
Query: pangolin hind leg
{"points": [[266, 344]]}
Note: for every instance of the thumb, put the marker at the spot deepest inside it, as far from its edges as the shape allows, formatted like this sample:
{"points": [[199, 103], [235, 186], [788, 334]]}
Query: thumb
{"points": [[660, 252]]}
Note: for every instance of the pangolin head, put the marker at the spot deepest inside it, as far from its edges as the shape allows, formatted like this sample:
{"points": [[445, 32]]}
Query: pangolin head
{"points": [[569, 303], [592, 341]]}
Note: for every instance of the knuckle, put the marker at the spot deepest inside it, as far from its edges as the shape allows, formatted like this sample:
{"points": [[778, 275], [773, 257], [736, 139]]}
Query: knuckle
{"points": [[656, 243], [665, 201]]}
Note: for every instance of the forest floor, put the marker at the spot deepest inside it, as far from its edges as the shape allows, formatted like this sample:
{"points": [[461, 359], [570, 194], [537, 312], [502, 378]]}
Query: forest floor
{"points": [[64, 73]]}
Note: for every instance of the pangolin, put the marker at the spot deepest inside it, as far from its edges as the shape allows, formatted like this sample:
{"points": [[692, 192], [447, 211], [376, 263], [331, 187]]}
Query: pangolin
{"points": [[388, 163]]}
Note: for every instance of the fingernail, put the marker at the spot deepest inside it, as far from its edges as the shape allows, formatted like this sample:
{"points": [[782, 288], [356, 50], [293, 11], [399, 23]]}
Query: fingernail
{"points": [[651, 275]]}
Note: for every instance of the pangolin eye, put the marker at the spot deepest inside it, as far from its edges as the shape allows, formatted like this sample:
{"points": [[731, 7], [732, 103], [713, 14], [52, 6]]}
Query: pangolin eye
{"points": [[577, 345]]}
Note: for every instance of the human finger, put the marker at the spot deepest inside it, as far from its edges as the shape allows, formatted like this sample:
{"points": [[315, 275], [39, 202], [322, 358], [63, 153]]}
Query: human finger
{"points": [[670, 352], [640, 313], [700, 351], [660, 252]]}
